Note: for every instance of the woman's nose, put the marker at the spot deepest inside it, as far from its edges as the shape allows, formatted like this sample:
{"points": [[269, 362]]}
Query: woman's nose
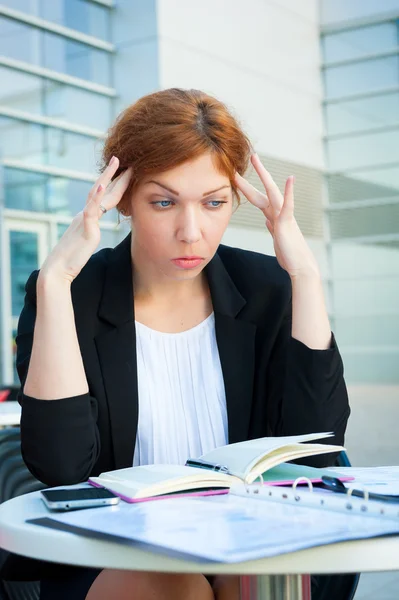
{"points": [[189, 228]]}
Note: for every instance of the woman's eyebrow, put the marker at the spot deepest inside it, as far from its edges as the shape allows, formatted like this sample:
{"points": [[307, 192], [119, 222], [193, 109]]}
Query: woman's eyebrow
{"points": [[177, 193]]}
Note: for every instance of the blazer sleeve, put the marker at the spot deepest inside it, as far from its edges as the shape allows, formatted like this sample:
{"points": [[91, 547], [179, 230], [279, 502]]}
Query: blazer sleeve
{"points": [[60, 440], [307, 391]]}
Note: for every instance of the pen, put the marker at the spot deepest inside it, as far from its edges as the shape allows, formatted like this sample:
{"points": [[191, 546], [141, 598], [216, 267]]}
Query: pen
{"points": [[335, 485], [202, 464]]}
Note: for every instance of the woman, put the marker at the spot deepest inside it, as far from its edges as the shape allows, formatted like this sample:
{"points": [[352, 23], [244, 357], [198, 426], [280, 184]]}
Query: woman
{"points": [[172, 344]]}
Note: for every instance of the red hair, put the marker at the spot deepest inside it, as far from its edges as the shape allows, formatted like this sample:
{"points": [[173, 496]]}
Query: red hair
{"points": [[162, 130]]}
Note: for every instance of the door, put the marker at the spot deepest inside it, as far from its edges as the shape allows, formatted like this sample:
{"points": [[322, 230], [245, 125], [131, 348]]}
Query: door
{"points": [[24, 247]]}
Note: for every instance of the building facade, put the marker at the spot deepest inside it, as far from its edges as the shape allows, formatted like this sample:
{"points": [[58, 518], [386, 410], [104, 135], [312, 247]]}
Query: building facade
{"points": [[68, 67], [360, 51]]}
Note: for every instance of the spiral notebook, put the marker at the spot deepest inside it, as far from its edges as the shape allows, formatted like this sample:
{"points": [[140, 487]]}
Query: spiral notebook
{"points": [[250, 522]]}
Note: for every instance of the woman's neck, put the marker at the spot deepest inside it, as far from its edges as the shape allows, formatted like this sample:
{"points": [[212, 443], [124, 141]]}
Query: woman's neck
{"points": [[170, 306], [152, 285]]}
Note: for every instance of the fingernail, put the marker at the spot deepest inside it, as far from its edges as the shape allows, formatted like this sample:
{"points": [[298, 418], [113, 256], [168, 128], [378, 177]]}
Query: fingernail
{"points": [[100, 188], [111, 162]]}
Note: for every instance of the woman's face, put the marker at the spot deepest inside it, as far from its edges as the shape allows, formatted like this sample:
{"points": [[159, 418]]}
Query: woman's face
{"points": [[179, 218]]}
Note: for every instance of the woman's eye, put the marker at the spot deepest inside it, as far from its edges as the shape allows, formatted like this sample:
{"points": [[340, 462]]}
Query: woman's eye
{"points": [[216, 203], [162, 203]]}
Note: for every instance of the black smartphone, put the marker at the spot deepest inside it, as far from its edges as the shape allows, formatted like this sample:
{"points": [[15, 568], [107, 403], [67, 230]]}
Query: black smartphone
{"points": [[74, 498]]}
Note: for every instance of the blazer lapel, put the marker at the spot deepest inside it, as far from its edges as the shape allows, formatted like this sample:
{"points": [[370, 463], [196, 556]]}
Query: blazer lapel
{"points": [[236, 343], [116, 349]]}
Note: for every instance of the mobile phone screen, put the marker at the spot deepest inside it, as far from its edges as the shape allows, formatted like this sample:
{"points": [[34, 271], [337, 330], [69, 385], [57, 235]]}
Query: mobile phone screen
{"points": [[66, 495]]}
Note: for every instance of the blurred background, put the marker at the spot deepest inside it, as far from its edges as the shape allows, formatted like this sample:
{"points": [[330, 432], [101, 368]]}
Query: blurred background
{"points": [[315, 84]]}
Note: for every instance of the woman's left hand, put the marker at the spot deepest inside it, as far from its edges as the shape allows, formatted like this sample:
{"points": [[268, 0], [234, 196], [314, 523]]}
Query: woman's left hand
{"points": [[292, 251]]}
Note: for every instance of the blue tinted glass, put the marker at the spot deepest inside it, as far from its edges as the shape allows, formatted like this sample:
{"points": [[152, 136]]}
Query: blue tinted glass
{"points": [[37, 47], [39, 144], [353, 43], [365, 221], [39, 192], [77, 105], [362, 77], [19, 41], [364, 184], [354, 115], [76, 59], [332, 11], [82, 15], [24, 259], [22, 141], [361, 151], [33, 94], [20, 90], [71, 151], [24, 190]]}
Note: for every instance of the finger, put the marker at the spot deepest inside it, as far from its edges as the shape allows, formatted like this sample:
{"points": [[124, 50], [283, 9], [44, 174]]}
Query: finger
{"points": [[108, 198], [92, 212], [270, 227], [105, 177], [272, 190], [287, 211], [116, 190], [254, 196]]}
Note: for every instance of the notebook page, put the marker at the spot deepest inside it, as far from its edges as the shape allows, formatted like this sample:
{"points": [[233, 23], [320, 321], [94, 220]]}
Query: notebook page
{"points": [[146, 480], [379, 480], [240, 457], [150, 474]]}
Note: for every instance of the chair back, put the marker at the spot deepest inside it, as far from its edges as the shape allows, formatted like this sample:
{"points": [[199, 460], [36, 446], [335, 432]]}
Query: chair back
{"points": [[15, 480]]}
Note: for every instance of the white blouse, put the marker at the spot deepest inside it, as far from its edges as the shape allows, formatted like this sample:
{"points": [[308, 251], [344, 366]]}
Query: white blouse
{"points": [[182, 401]]}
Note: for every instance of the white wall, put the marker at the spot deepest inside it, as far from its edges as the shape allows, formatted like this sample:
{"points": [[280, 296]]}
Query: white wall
{"points": [[260, 57]]}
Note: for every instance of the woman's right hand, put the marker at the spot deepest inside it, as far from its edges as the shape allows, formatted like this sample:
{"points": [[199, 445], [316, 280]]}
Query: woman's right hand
{"points": [[82, 237]]}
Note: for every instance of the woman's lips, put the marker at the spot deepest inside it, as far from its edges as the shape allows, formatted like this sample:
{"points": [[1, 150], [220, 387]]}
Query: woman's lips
{"points": [[187, 262]]}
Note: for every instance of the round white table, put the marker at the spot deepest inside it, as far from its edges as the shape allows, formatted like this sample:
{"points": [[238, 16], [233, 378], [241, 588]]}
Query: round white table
{"points": [[279, 578]]}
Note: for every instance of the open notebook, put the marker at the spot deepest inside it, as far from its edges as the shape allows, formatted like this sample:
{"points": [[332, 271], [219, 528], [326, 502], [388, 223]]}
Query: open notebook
{"points": [[219, 469]]}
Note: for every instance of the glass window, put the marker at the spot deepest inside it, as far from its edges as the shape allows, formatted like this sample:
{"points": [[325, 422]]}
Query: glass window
{"points": [[24, 260], [39, 144], [77, 105], [355, 115], [371, 367], [353, 43], [341, 10], [76, 59], [361, 77], [24, 190], [364, 184], [365, 221], [371, 330], [19, 41], [21, 141], [354, 260], [71, 150], [20, 90], [81, 15], [364, 150], [33, 94], [22, 42], [39, 192], [366, 296]]}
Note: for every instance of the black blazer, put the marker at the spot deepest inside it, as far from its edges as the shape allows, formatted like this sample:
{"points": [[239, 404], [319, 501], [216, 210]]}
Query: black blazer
{"points": [[275, 385]]}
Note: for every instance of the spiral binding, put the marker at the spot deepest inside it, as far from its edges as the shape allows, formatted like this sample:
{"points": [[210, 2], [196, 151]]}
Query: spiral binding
{"points": [[335, 502]]}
